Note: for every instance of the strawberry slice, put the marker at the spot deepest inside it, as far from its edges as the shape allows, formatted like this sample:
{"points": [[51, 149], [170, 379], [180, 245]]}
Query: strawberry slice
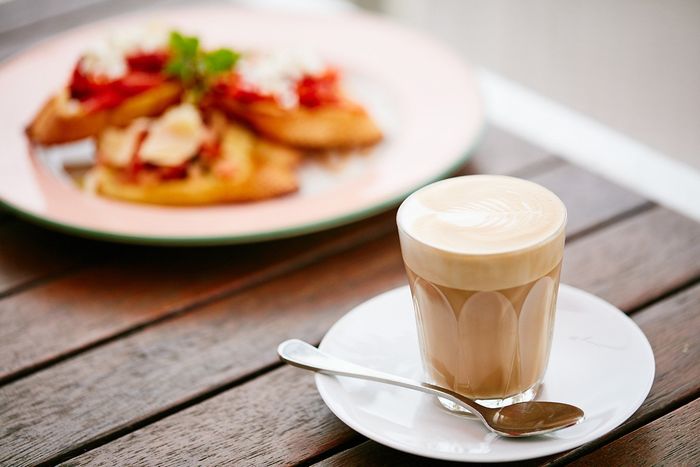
{"points": [[314, 91], [148, 62], [83, 86], [105, 100], [136, 82]]}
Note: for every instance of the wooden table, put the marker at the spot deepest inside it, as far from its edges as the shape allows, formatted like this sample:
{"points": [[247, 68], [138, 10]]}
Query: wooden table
{"points": [[114, 354]]}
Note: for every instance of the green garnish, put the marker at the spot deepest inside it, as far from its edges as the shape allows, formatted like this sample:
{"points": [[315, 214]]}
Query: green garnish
{"points": [[194, 67]]}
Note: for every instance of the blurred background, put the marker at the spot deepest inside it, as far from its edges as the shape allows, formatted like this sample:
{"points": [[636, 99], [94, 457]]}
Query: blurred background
{"points": [[630, 65]]}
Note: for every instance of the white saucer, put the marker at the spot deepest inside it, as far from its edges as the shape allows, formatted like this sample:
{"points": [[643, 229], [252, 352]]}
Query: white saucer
{"points": [[601, 361]]}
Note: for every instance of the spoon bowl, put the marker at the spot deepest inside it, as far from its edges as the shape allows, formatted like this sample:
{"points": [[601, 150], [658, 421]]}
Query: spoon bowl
{"points": [[534, 418]]}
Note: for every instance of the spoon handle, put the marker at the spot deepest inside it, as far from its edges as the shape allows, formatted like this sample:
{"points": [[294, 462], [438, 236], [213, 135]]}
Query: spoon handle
{"points": [[303, 355]]}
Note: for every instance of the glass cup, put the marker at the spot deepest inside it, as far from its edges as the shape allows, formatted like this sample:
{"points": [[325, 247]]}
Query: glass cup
{"points": [[483, 255]]}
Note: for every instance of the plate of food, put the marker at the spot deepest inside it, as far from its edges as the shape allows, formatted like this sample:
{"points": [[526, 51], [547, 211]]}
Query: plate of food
{"points": [[215, 125]]}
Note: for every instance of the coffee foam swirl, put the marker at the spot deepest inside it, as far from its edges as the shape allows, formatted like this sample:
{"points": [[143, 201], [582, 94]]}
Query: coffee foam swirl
{"points": [[480, 227]]}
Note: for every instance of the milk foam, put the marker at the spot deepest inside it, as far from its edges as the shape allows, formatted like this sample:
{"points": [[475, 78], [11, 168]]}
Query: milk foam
{"points": [[482, 232]]}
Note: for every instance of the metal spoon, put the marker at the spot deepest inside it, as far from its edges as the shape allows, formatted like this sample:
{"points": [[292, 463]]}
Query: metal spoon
{"points": [[517, 420]]}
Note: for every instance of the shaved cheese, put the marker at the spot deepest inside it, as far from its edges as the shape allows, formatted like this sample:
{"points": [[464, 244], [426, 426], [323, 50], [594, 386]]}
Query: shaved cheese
{"points": [[174, 138], [107, 57], [277, 73], [117, 146], [101, 59]]}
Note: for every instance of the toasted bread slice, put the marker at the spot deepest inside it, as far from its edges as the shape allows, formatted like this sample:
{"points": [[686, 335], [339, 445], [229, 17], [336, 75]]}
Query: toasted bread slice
{"points": [[61, 120], [341, 125], [260, 170]]}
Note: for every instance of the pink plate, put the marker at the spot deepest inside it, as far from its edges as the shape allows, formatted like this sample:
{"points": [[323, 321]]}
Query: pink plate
{"points": [[424, 98]]}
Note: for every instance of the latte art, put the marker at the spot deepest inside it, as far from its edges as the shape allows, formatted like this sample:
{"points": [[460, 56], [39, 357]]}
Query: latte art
{"points": [[488, 220], [505, 231], [482, 214]]}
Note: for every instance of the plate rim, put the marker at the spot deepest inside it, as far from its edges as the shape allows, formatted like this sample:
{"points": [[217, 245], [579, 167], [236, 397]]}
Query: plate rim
{"points": [[390, 201], [321, 379]]}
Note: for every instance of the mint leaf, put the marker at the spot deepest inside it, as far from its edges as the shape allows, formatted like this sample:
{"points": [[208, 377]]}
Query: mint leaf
{"points": [[219, 61], [175, 67], [182, 63], [185, 47], [194, 67]]}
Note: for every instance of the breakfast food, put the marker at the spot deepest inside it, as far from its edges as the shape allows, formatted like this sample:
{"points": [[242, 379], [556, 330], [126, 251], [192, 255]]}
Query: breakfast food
{"points": [[179, 125], [295, 98], [114, 82], [180, 159]]}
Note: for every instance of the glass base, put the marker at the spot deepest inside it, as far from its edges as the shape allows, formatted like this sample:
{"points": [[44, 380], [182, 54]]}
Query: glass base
{"points": [[524, 396]]}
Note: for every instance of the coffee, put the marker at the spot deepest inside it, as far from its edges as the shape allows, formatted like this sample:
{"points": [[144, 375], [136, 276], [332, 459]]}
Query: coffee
{"points": [[483, 255]]}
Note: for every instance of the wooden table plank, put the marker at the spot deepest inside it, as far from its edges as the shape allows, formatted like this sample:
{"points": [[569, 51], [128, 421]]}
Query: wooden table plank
{"points": [[663, 253], [670, 440], [94, 304], [671, 327], [212, 347], [371, 454], [260, 425], [29, 254], [4, 215], [143, 285], [590, 199], [309, 430], [133, 378]]}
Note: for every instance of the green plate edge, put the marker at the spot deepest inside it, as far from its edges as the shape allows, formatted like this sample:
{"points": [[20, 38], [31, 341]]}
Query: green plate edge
{"points": [[246, 238]]}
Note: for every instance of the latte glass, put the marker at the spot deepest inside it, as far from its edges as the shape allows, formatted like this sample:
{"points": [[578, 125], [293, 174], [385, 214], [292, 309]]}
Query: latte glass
{"points": [[483, 255]]}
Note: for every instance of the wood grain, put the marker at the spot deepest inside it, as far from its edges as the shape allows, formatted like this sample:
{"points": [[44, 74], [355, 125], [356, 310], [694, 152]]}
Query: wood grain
{"points": [[670, 440], [590, 199], [141, 285], [372, 454], [205, 346], [275, 419], [28, 254], [632, 262], [116, 385], [671, 327]]}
